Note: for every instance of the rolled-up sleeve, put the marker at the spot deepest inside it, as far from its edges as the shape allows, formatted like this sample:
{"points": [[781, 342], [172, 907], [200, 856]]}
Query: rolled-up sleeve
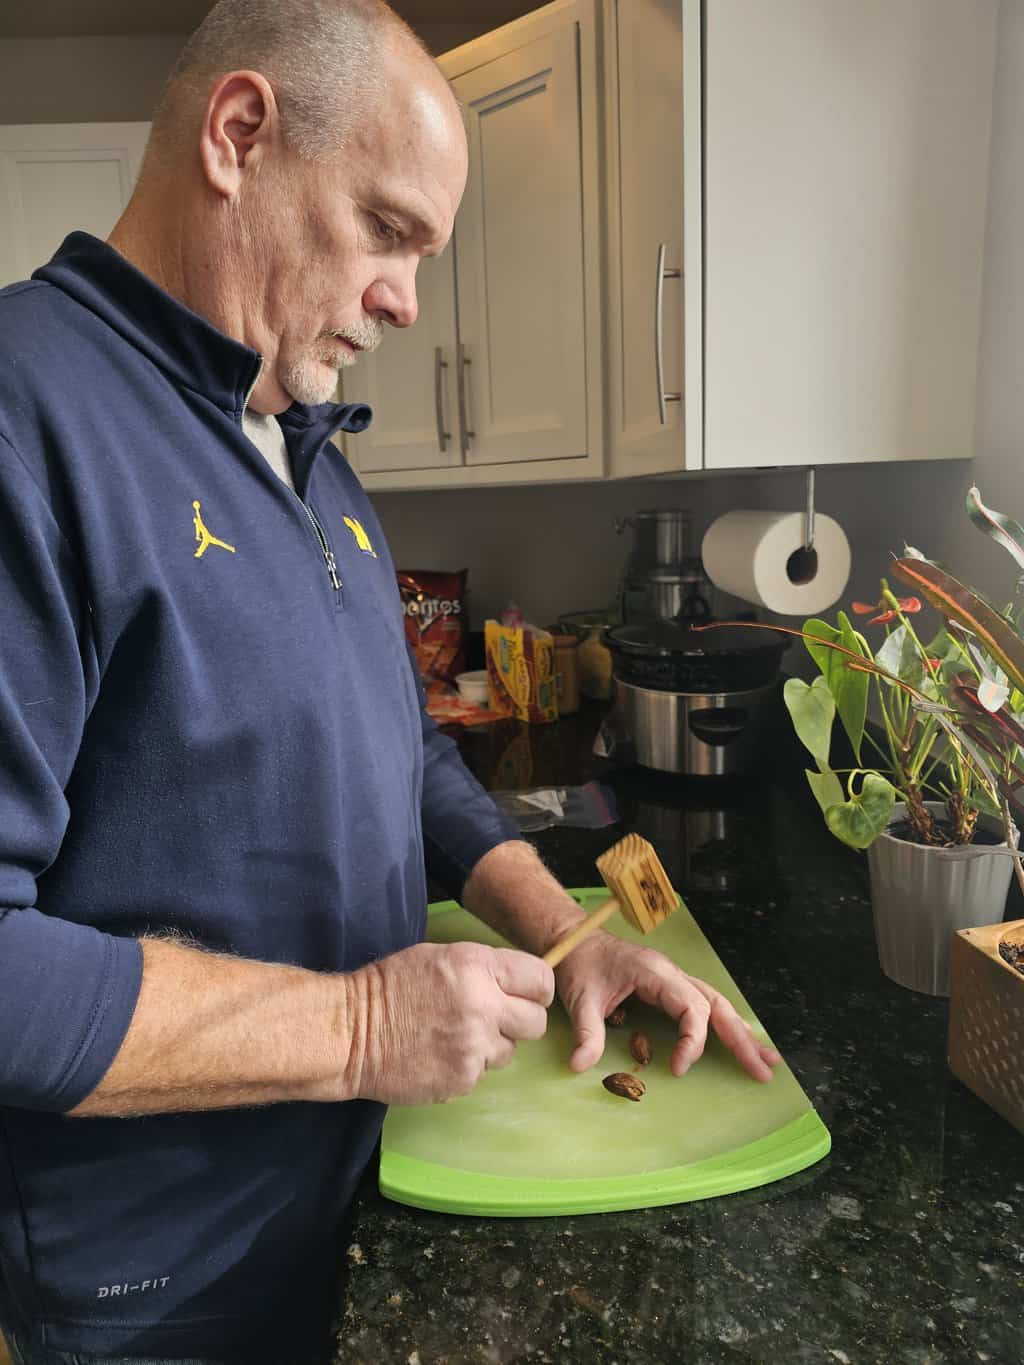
{"points": [[67, 991]]}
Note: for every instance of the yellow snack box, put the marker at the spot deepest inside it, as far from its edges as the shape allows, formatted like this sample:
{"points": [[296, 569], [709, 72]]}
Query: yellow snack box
{"points": [[521, 672]]}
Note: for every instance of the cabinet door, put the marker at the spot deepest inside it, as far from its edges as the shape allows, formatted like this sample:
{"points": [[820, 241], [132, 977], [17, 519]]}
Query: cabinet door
{"points": [[56, 178], [644, 128], [409, 383], [520, 259], [845, 189]]}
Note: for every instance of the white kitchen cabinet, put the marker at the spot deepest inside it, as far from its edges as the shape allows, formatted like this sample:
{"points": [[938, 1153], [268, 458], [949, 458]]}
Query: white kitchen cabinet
{"points": [[793, 202], [409, 382], [844, 188], [55, 178], [648, 279], [508, 356], [831, 162]]}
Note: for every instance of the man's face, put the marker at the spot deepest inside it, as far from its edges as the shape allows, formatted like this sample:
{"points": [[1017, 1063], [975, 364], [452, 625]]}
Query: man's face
{"points": [[341, 241]]}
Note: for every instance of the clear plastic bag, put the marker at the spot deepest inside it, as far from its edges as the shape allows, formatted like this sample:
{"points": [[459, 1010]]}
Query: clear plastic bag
{"points": [[588, 807]]}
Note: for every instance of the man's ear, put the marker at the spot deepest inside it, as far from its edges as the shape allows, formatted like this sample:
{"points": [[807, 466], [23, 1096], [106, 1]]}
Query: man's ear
{"points": [[238, 129]]}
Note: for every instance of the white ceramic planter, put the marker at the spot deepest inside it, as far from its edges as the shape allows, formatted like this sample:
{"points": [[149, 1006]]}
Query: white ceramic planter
{"points": [[920, 896]]}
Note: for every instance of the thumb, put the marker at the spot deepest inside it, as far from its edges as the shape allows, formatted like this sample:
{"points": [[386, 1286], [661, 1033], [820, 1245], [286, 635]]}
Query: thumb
{"points": [[588, 1025]]}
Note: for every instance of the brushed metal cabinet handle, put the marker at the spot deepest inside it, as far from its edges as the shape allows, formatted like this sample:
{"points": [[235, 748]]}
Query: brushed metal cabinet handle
{"points": [[468, 434], [440, 365], [659, 329]]}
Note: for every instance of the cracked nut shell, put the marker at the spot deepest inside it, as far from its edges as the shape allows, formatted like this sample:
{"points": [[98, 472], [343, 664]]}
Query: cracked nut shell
{"points": [[640, 1047], [622, 1083], [617, 1017]]}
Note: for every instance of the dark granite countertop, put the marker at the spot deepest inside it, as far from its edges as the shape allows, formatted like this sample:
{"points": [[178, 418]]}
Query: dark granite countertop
{"points": [[905, 1244]]}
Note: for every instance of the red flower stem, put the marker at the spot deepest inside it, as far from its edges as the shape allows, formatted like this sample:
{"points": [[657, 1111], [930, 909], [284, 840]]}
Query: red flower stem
{"points": [[865, 665], [959, 764]]}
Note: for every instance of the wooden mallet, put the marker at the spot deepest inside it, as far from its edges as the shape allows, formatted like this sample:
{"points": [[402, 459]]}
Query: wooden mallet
{"points": [[640, 888]]}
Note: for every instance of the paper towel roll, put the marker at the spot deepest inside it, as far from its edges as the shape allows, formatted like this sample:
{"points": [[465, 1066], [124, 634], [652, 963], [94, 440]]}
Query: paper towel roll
{"points": [[760, 557]]}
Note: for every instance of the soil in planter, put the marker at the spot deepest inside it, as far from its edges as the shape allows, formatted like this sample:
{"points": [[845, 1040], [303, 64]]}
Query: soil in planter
{"points": [[1013, 953], [905, 830]]}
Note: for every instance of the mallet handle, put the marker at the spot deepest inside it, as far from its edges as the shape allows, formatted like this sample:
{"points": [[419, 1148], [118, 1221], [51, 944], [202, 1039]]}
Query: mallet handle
{"points": [[564, 946]]}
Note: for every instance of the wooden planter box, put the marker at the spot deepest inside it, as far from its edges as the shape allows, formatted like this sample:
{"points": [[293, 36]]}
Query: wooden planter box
{"points": [[986, 1018]]}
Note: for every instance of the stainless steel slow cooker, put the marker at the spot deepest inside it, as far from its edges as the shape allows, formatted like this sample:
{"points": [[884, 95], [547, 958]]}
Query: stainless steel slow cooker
{"points": [[691, 702]]}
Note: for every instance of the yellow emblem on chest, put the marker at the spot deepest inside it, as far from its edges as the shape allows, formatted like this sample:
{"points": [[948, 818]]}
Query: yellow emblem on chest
{"points": [[362, 539], [203, 537]]}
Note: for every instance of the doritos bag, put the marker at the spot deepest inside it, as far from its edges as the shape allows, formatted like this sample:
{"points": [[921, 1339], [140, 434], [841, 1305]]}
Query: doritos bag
{"points": [[433, 605]]}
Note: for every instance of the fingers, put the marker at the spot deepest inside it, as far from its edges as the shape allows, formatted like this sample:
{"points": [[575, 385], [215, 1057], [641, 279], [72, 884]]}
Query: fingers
{"points": [[524, 975], [693, 1032], [757, 1059], [590, 1035], [501, 1054], [743, 1045], [671, 990], [521, 1020], [696, 1005]]}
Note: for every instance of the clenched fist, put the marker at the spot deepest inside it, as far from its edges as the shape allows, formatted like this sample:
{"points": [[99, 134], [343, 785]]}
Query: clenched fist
{"points": [[426, 1023]]}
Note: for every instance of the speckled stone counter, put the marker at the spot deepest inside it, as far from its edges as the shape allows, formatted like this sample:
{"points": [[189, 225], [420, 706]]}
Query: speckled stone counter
{"points": [[906, 1244]]}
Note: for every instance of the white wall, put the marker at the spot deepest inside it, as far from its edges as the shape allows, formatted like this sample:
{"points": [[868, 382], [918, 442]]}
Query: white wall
{"points": [[555, 549], [999, 465], [83, 80], [107, 80]]}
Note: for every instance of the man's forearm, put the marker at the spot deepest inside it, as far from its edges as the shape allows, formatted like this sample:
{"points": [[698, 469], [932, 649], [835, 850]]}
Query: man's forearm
{"points": [[214, 1032], [511, 890]]}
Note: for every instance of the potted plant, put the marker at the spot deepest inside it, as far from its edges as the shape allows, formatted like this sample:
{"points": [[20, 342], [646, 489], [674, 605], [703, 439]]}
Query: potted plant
{"points": [[933, 795]]}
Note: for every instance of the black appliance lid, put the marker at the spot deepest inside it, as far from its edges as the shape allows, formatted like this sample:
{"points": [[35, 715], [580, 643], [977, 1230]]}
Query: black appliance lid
{"points": [[659, 637]]}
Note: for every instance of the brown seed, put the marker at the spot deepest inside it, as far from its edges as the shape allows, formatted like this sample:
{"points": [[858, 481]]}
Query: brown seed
{"points": [[617, 1017], [640, 1047], [622, 1083]]}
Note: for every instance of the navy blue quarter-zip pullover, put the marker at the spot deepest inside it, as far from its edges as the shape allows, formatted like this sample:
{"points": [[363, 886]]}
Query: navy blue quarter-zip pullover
{"points": [[209, 723]]}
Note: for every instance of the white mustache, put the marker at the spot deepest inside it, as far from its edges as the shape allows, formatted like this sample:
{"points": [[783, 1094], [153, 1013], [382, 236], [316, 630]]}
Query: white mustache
{"points": [[366, 335]]}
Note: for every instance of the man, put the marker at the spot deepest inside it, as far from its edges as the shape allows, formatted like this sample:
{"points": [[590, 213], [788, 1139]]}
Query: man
{"points": [[218, 785]]}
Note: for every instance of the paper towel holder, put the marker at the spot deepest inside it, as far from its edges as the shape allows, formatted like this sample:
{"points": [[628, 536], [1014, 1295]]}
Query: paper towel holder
{"points": [[802, 564]]}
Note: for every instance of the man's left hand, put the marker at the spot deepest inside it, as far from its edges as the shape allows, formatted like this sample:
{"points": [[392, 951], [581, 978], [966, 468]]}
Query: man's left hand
{"points": [[603, 970]]}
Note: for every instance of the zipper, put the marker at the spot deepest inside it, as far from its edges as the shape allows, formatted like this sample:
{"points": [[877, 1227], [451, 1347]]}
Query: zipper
{"points": [[325, 548], [325, 545]]}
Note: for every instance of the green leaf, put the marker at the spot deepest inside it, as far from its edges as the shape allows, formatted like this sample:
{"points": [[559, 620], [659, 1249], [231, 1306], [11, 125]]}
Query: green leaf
{"points": [[827, 789], [812, 712], [943, 646], [984, 803], [1002, 529], [849, 687], [860, 820], [993, 633], [953, 657]]}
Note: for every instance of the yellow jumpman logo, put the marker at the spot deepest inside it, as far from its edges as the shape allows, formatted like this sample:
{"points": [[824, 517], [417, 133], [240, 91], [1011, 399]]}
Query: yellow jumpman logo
{"points": [[203, 537]]}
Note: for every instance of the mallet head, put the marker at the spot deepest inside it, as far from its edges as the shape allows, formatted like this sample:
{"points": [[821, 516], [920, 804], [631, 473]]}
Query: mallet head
{"points": [[634, 875]]}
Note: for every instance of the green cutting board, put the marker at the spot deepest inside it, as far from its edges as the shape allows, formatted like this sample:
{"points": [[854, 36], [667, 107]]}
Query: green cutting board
{"points": [[536, 1139]]}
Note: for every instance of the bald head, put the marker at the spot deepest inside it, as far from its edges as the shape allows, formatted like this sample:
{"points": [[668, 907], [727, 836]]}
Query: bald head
{"points": [[325, 60], [307, 156]]}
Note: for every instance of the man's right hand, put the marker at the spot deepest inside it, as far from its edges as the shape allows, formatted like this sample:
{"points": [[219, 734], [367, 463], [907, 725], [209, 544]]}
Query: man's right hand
{"points": [[426, 1023]]}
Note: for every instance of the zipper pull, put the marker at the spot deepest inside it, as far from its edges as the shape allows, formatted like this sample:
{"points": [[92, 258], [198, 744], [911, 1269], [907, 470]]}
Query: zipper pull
{"points": [[332, 569], [325, 548]]}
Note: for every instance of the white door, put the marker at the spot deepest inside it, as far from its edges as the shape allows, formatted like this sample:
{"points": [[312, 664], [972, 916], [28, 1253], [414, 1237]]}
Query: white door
{"points": [[520, 258], [409, 382], [645, 229], [56, 178]]}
